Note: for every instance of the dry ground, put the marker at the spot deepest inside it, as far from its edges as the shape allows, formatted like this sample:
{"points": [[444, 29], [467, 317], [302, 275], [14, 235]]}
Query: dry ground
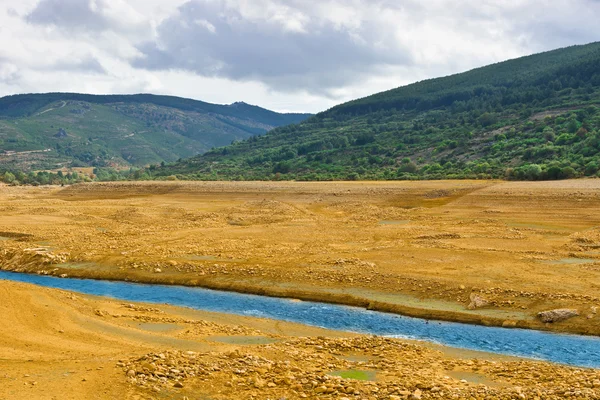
{"points": [[418, 248], [59, 345]]}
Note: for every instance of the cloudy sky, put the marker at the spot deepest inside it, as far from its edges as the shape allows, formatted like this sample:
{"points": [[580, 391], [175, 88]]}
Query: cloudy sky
{"points": [[286, 55]]}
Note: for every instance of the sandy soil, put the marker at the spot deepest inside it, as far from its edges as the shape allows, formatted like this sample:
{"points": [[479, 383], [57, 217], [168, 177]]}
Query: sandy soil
{"points": [[59, 345], [418, 248]]}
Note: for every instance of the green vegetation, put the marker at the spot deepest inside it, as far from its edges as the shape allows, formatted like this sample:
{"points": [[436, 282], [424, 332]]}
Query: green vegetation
{"points": [[535, 117], [355, 374], [50, 131], [43, 178]]}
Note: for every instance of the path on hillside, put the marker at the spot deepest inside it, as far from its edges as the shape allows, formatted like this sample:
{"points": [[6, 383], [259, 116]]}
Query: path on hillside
{"points": [[64, 103]]}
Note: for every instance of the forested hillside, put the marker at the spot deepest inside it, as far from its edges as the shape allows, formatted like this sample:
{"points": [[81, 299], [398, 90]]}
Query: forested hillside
{"points": [[49, 131], [536, 117]]}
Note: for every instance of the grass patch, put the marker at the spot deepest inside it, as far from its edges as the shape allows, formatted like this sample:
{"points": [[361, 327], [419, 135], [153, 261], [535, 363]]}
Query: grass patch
{"points": [[355, 374]]}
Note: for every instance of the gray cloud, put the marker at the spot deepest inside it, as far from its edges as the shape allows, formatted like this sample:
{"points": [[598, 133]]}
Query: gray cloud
{"points": [[70, 14], [306, 45], [88, 65], [213, 39], [90, 16]]}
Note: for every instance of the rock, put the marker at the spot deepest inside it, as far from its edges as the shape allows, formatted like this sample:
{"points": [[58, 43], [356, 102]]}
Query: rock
{"points": [[462, 287], [131, 373], [509, 324], [416, 395], [148, 367], [320, 389], [557, 315], [61, 133], [157, 270], [476, 301], [178, 385]]}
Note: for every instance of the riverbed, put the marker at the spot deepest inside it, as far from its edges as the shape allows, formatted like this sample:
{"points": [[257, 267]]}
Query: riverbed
{"points": [[582, 351]]}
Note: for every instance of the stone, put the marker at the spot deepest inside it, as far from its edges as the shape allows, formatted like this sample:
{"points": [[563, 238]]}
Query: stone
{"points": [[131, 373], [178, 385], [509, 324], [557, 315], [61, 133], [476, 301], [416, 395], [320, 389]]}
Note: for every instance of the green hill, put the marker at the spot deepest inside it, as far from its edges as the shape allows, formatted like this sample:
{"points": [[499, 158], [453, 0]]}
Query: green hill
{"points": [[46, 131], [535, 117]]}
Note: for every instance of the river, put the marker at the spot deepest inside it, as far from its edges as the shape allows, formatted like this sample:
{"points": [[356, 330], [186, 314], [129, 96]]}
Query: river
{"points": [[582, 351]]}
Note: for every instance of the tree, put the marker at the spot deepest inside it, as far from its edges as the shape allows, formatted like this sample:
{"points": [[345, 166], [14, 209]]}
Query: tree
{"points": [[409, 167], [282, 167], [8, 177]]}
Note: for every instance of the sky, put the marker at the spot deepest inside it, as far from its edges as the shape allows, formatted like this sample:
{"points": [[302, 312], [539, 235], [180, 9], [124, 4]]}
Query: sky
{"points": [[285, 55]]}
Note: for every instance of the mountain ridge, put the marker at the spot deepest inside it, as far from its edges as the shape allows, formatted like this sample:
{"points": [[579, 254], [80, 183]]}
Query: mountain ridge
{"points": [[121, 130], [479, 123]]}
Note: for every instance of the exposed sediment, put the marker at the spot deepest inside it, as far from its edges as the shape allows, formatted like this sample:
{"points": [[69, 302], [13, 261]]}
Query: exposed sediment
{"points": [[56, 344], [416, 248]]}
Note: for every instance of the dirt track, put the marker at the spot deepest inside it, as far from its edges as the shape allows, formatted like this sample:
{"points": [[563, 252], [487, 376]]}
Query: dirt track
{"points": [[418, 248]]}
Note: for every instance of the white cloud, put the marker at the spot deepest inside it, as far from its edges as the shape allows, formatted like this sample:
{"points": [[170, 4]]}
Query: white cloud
{"points": [[300, 55]]}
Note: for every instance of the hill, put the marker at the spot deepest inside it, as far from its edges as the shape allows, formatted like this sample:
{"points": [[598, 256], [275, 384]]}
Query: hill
{"points": [[46, 131], [535, 117]]}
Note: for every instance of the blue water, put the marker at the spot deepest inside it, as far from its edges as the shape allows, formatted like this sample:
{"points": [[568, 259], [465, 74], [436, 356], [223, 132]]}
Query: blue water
{"points": [[575, 350]]}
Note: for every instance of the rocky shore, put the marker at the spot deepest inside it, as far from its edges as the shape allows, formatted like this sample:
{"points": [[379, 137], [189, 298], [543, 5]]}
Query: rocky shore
{"points": [[357, 368]]}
